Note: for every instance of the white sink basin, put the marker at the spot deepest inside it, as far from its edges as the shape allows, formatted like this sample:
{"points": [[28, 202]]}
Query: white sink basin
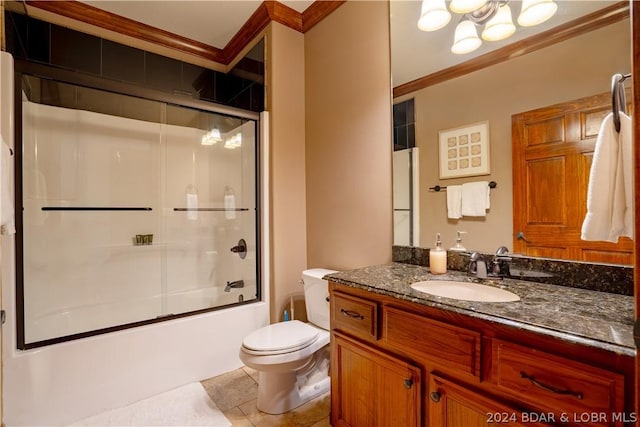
{"points": [[465, 291]]}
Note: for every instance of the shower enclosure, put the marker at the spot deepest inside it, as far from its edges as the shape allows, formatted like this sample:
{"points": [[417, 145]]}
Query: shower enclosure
{"points": [[133, 209]]}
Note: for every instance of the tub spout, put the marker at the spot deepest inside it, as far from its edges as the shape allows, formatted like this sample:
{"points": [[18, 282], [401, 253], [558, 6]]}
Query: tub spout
{"points": [[233, 285]]}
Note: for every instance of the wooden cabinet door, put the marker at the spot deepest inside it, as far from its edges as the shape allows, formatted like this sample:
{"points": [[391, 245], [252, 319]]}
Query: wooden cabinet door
{"points": [[452, 405], [552, 153], [370, 388]]}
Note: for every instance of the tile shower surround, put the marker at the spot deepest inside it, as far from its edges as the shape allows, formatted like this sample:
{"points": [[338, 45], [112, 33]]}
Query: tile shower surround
{"points": [[44, 43], [609, 278]]}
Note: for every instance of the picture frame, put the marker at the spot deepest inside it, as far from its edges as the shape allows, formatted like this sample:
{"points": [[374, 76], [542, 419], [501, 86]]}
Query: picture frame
{"points": [[464, 151]]}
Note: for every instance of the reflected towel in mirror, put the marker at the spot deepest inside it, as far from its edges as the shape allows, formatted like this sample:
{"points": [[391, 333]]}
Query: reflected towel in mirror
{"points": [[475, 198], [454, 201], [610, 193]]}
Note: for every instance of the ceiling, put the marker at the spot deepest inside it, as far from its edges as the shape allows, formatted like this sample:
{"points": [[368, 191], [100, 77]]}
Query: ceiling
{"points": [[213, 22], [414, 53]]}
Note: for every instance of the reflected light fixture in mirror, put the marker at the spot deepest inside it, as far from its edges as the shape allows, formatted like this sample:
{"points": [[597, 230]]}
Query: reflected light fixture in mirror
{"points": [[434, 15], [466, 38], [535, 12], [495, 15], [466, 6], [500, 26]]}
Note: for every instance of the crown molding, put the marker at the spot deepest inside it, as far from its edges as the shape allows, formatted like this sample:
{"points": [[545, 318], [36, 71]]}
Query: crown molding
{"points": [[601, 18], [268, 11]]}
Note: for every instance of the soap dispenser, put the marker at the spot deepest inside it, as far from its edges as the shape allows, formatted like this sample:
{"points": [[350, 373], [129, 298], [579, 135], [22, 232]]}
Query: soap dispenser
{"points": [[438, 258], [458, 246]]}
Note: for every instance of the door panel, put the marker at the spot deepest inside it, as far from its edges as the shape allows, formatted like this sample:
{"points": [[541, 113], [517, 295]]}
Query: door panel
{"points": [[552, 155]]}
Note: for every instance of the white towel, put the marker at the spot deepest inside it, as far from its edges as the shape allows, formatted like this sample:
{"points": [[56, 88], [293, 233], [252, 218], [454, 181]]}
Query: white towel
{"points": [[475, 198], [454, 201], [610, 204], [7, 212], [192, 206]]}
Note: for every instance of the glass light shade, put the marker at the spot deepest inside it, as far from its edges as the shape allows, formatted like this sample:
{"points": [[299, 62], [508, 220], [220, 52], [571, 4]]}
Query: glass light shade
{"points": [[535, 12], [500, 26], [466, 6], [466, 38], [434, 15]]}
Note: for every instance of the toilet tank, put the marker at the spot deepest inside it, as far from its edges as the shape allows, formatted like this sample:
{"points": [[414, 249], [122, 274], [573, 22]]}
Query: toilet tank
{"points": [[316, 296]]}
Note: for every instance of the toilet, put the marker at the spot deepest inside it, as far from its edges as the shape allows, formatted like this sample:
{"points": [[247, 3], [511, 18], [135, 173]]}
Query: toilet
{"points": [[293, 357]]}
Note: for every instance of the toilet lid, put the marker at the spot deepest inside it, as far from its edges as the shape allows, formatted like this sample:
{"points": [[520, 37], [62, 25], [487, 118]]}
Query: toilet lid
{"points": [[281, 337]]}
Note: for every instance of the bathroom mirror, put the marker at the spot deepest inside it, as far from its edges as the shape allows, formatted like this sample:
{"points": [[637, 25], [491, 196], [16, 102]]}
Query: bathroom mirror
{"points": [[451, 91]]}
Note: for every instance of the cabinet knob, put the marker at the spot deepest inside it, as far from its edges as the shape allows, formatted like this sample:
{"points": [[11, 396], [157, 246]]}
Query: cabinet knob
{"points": [[435, 396], [408, 383]]}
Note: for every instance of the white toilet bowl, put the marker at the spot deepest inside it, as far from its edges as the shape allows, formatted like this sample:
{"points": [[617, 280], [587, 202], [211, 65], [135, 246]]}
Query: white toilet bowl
{"points": [[293, 361], [293, 357]]}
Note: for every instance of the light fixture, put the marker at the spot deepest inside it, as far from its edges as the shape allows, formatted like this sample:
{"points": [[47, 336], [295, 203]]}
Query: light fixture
{"points": [[433, 15], [500, 26], [466, 38], [535, 12], [211, 137], [466, 6], [494, 15]]}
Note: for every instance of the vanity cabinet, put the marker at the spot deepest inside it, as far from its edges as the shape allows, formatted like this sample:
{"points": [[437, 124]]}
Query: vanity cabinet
{"points": [[452, 404], [399, 363], [377, 389]]}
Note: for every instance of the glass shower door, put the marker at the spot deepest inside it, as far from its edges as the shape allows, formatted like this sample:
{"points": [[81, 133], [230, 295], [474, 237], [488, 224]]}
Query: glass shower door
{"points": [[133, 210], [211, 210]]}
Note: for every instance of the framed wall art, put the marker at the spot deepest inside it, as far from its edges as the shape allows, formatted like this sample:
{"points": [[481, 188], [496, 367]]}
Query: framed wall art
{"points": [[464, 151]]}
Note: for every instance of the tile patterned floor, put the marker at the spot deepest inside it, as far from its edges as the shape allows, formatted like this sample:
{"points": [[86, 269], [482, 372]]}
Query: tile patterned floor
{"points": [[235, 394]]}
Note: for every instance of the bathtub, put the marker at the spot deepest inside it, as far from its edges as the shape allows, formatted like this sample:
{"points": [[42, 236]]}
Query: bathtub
{"points": [[62, 383], [74, 320]]}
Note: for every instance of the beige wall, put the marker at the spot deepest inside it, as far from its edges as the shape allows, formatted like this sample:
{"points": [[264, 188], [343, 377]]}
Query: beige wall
{"points": [[348, 137], [2, 47], [573, 69], [285, 103]]}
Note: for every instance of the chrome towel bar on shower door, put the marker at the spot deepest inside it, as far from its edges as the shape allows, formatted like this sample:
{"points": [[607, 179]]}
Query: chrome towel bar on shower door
{"points": [[209, 209], [94, 208]]}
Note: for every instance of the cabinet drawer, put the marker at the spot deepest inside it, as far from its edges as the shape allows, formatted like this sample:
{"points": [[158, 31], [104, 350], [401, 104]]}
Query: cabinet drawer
{"points": [[555, 384], [450, 346], [353, 315]]}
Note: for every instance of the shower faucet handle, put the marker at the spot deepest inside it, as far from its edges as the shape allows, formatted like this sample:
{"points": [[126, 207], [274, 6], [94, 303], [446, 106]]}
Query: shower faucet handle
{"points": [[240, 248]]}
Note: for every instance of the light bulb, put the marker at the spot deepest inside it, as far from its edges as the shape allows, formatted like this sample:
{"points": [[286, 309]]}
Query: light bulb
{"points": [[466, 38], [535, 12], [500, 26], [434, 15]]}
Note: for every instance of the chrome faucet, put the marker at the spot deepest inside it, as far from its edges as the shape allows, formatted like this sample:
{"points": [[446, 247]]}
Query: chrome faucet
{"points": [[477, 266], [500, 262], [234, 285]]}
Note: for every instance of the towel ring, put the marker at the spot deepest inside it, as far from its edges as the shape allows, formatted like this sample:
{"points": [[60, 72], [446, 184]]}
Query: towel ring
{"points": [[618, 98]]}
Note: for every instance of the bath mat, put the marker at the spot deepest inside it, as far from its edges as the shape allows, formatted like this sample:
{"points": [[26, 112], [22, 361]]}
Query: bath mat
{"points": [[184, 406]]}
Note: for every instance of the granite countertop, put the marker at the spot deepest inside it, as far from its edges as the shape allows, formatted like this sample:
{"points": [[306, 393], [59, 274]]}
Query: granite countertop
{"points": [[591, 318]]}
